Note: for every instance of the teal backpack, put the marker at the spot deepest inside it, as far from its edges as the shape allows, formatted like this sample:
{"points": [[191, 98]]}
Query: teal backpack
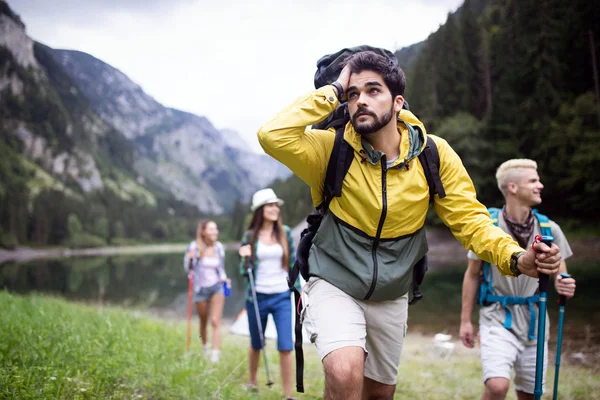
{"points": [[486, 289]]}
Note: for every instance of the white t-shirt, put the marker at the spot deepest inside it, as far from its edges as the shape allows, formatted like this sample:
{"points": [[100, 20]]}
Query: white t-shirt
{"points": [[522, 286], [390, 162], [208, 271], [270, 276]]}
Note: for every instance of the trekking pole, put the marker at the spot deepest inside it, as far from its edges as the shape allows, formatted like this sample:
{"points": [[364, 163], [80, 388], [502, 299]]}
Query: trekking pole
{"points": [[260, 331], [561, 318], [541, 340], [190, 293]]}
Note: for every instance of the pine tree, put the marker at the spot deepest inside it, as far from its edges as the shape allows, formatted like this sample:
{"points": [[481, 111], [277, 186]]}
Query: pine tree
{"points": [[452, 85], [476, 63]]}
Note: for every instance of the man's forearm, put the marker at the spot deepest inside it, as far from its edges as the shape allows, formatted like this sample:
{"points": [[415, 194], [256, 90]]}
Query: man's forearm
{"points": [[469, 291], [286, 139], [307, 110], [467, 218]]}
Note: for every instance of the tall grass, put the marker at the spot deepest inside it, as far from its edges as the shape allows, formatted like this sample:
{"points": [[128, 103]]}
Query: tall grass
{"points": [[52, 349]]}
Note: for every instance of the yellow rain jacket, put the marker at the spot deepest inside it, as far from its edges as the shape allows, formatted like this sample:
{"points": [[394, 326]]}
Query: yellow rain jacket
{"points": [[373, 235]]}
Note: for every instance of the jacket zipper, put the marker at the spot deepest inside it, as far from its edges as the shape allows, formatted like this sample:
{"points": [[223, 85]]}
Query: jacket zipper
{"points": [[380, 227]]}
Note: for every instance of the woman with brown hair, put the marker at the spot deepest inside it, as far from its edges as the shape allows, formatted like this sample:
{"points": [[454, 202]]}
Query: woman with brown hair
{"points": [[205, 256], [268, 249]]}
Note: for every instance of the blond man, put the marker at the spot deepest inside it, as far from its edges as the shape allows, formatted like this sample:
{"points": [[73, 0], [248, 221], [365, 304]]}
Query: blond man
{"points": [[507, 330]]}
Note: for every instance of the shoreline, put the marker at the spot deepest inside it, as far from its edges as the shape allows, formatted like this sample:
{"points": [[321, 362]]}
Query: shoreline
{"points": [[443, 251], [24, 254]]}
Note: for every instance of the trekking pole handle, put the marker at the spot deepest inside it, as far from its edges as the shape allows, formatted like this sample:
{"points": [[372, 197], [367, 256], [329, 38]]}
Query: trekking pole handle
{"points": [[563, 299], [543, 278]]}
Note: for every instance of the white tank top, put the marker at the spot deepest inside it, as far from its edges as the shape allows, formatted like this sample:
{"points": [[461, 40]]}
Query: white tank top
{"points": [[270, 277]]}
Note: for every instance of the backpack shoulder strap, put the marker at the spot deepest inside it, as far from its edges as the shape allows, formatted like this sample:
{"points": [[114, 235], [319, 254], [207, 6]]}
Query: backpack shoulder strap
{"points": [[430, 160], [487, 295], [339, 164], [486, 288], [544, 221], [494, 214]]}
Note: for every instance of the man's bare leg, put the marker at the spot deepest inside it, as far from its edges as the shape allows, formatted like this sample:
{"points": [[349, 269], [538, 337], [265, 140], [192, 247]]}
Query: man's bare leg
{"points": [[524, 396], [495, 389], [373, 390], [344, 370]]}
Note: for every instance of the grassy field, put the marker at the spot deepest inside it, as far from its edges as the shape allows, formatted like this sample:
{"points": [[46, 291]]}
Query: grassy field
{"points": [[52, 349]]}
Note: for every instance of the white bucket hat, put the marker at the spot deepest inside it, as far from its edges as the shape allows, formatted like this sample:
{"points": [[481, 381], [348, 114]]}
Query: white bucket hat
{"points": [[264, 196]]}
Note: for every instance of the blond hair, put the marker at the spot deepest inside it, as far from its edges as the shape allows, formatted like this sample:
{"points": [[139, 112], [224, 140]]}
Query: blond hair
{"points": [[510, 171], [200, 239]]}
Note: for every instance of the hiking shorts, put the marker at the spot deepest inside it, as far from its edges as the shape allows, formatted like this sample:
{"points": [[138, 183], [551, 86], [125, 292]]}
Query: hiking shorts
{"points": [[334, 320], [279, 305], [206, 293], [501, 351]]}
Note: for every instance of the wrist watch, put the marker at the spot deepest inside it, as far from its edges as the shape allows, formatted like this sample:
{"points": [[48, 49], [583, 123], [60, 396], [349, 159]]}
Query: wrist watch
{"points": [[340, 90], [514, 269]]}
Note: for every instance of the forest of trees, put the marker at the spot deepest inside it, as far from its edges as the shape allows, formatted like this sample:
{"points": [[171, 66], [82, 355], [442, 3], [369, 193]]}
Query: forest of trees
{"points": [[498, 80], [62, 217], [507, 79], [517, 79]]}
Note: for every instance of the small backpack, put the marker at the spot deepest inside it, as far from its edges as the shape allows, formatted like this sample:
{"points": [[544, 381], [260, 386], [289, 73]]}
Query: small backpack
{"points": [[486, 288], [328, 69]]}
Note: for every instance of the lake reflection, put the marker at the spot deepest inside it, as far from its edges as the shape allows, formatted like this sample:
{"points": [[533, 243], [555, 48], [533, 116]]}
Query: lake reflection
{"points": [[141, 281]]}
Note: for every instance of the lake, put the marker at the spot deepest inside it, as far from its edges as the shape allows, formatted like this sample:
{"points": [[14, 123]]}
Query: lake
{"points": [[158, 282]]}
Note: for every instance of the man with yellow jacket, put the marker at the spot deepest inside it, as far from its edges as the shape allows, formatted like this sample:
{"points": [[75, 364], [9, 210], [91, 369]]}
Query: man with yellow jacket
{"points": [[361, 259]]}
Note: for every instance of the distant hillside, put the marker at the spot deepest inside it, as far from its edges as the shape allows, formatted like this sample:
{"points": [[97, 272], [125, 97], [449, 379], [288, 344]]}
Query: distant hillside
{"points": [[180, 152], [515, 79], [88, 158], [406, 55]]}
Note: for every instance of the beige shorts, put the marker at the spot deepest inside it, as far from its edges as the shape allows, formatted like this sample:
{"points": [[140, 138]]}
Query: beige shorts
{"points": [[334, 320], [501, 351]]}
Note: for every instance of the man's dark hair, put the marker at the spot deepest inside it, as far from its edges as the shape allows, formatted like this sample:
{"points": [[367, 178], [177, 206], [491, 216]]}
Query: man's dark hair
{"points": [[393, 76]]}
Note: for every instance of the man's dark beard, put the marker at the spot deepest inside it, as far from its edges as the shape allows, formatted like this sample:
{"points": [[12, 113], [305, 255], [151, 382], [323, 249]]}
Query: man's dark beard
{"points": [[373, 127]]}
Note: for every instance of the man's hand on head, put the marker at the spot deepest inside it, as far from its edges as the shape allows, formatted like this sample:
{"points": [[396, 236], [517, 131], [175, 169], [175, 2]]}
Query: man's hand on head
{"points": [[344, 80]]}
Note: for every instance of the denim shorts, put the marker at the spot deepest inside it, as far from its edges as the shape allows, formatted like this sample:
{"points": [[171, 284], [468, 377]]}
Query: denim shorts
{"points": [[280, 306], [206, 293]]}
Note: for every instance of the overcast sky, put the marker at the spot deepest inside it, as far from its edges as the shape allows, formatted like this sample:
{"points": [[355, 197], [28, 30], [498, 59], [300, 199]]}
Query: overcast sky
{"points": [[235, 62]]}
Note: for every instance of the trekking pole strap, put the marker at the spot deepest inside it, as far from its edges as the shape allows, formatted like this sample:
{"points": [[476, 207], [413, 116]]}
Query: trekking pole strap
{"points": [[543, 279], [298, 345]]}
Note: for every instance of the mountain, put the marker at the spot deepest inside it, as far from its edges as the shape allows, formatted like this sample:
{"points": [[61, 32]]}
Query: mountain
{"points": [[88, 158], [174, 151], [59, 134], [177, 151], [407, 55]]}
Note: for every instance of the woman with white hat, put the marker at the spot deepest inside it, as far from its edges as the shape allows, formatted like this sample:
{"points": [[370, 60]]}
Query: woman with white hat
{"points": [[268, 249]]}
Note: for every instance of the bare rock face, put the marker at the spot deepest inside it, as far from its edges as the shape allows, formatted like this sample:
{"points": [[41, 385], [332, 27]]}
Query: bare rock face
{"points": [[58, 138], [116, 98], [79, 166], [14, 38], [181, 152]]}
